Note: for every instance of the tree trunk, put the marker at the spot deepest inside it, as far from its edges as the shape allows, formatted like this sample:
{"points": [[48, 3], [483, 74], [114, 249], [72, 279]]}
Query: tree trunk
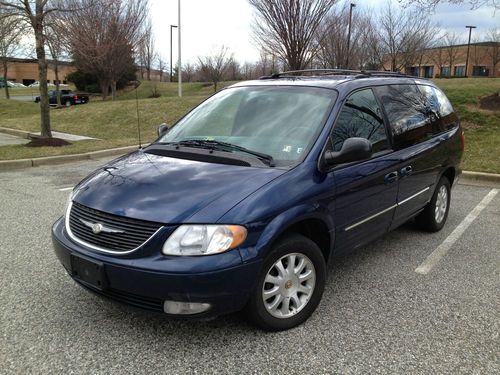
{"points": [[42, 77], [7, 94], [104, 89], [215, 86], [148, 74], [113, 90]]}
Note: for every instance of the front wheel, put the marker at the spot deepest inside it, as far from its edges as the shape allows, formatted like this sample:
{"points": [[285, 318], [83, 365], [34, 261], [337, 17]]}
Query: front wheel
{"points": [[290, 284], [434, 216], [68, 103]]}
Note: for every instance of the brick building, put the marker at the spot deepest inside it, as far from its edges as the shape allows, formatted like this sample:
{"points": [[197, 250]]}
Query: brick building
{"points": [[450, 61], [25, 71]]}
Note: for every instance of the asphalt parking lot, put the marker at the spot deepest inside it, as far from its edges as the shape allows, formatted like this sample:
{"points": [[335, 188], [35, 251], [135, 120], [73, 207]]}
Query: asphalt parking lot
{"points": [[377, 315]]}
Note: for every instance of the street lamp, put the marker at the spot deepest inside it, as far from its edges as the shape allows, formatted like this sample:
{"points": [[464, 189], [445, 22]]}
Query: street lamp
{"points": [[171, 27], [468, 48], [179, 64], [349, 36]]}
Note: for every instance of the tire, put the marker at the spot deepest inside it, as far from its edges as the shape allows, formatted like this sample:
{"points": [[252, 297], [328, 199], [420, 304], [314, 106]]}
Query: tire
{"points": [[67, 103], [310, 280], [433, 217]]}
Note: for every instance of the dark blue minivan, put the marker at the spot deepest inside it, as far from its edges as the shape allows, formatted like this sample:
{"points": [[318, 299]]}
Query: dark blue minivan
{"points": [[245, 200]]}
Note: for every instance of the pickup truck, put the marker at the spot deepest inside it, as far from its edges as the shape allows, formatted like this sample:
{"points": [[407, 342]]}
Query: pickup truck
{"points": [[68, 98]]}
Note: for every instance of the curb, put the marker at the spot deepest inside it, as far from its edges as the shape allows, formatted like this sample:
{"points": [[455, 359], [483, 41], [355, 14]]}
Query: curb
{"points": [[15, 132], [480, 176], [60, 159]]}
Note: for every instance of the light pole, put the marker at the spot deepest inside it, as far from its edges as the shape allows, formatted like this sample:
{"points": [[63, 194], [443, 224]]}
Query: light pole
{"points": [[179, 65], [349, 36], [468, 48], [171, 27]]}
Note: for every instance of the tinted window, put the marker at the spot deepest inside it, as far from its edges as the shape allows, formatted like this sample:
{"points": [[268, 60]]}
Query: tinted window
{"points": [[361, 116], [408, 112]]}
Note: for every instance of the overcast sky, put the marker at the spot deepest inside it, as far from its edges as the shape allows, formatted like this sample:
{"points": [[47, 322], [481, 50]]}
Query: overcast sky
{"points": [[208, 24]]}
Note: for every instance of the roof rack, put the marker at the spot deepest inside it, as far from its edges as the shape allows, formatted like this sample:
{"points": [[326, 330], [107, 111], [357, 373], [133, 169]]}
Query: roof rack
{"points": [[332, 72]]}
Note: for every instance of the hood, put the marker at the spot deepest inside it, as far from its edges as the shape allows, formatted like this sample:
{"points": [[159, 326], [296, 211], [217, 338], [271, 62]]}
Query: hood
{"points": [[170, 190]]}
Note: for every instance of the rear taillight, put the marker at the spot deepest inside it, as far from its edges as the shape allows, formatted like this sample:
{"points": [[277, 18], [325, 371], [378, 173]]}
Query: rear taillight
{"points": [[75, 97], [462, 140]]}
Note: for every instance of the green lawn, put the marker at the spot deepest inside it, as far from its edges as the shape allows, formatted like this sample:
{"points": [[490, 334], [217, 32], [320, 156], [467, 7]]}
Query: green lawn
{"points": [[115, 123], [482, 128]]}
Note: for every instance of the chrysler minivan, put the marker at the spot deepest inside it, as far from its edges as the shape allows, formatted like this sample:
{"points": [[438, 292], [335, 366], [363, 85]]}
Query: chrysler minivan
{"points": [[245, 201]]}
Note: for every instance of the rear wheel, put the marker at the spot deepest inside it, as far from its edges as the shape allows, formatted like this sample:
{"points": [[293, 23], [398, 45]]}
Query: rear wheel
{"points": [[435, 213], [290, 284], [67, 103]]}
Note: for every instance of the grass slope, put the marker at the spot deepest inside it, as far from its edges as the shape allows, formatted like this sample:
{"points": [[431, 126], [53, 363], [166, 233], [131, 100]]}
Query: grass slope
{"points": [[115, 123]]}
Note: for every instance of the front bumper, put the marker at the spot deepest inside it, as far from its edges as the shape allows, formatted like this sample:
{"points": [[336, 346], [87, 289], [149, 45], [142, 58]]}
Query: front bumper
{"points": [[147, 281]]}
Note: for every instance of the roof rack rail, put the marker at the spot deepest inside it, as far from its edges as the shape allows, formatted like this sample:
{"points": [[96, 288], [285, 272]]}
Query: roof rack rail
{"points": [[328, 72]]}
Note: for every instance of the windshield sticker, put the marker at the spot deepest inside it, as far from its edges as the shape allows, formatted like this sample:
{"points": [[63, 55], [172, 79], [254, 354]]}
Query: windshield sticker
{"points": [[287, 149]]}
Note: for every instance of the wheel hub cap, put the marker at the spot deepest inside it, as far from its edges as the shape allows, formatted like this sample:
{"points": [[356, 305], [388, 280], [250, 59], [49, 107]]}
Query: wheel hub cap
{"points": [[289, 285], [441, 204]]}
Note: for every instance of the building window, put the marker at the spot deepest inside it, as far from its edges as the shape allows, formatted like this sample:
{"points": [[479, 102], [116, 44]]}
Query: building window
{"points": [[413, 71], [460, 71], [480, 71], [428, 71], [445, 71]]}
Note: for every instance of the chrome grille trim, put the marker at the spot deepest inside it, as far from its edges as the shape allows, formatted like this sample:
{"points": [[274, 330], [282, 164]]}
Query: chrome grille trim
{"points": [[82, 242]]}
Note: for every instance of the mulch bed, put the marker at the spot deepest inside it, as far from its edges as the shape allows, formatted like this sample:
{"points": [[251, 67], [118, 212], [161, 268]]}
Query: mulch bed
{"points": [[490, 102]]}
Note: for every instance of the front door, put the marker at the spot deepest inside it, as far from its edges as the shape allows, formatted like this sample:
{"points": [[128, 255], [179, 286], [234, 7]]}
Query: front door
{"points": [[365, 192]]}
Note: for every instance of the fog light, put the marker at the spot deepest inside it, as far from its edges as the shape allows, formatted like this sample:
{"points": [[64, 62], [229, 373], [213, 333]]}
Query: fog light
{"points": [[184, 308]]}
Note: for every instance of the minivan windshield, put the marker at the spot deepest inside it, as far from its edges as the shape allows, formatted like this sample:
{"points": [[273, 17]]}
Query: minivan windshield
{"points": [[279, 121]]}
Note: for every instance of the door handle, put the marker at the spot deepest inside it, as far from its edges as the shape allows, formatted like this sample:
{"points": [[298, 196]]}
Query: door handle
{"points": [[391, 177], [406, 171]]}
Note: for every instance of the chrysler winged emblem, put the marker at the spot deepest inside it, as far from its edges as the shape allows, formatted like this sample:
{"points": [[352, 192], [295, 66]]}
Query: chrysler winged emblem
{"points": [[98, 227]]}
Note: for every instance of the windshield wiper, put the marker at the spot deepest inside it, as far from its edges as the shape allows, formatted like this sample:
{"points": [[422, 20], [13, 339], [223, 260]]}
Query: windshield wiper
{"points": [[212, 144]]}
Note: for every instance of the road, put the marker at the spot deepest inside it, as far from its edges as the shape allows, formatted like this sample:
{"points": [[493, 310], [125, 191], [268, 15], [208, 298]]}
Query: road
{"points": [[377, 315]]}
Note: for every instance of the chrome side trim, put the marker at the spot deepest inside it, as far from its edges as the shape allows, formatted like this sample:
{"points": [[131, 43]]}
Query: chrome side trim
{"points": [[413, 196], [387, 209], [370, 217], [97, 248]]}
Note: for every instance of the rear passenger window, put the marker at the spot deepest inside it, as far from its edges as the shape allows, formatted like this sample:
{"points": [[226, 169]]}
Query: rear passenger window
{"points": [[409, 114], [361, 116]]}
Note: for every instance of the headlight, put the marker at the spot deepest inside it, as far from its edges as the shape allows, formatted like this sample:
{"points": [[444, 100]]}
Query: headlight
{"points": [[204, 239]]}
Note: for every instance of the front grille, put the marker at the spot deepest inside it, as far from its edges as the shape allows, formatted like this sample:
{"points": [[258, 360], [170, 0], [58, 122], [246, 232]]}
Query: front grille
{"points": [[133, 232]]}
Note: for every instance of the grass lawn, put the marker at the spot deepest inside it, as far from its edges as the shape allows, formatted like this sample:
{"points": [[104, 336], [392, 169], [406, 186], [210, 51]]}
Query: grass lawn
{"points": [[481, 127], [115, 123]]}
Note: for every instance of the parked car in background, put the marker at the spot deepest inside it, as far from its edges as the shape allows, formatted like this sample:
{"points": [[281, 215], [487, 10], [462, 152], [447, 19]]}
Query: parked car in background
{"points": [[37, 84], [9, 83], [68, 98], [246, 199]]}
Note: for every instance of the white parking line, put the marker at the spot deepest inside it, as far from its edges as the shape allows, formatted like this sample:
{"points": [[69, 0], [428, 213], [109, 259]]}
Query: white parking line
{"points": [[66, 188], [434, 257]]}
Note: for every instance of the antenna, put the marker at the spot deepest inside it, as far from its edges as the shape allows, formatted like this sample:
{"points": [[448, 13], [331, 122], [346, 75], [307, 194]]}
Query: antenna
{"points": [[138, 121]]}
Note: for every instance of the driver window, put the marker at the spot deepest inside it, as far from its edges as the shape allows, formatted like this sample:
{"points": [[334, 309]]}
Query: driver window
{"points": [[361, 116]]}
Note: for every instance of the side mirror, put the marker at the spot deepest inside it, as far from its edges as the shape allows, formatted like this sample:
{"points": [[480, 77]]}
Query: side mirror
{"points": [[353, 149], [162, 129]]}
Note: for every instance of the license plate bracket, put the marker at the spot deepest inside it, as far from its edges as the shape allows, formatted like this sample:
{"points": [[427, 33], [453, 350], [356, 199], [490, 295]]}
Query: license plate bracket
{"points": [[88, 272]]}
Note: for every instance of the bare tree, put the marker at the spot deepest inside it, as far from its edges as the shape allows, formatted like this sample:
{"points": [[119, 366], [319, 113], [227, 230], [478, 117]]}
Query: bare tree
{"points": [[403, 34], [286, 28], [332, 35], [493, 51], [188, 72], [452, 41], [162, 66], [431, 4], [214, 66], [34, 14], [56, 49], [147, 48], [103, 35], [11, 31]]}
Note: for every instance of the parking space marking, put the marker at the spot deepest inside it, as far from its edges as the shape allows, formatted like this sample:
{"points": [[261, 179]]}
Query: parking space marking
{"points": [[434, 257], [66, 188]]}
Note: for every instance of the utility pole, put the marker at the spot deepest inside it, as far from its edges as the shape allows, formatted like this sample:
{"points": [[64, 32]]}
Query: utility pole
{"points": [[179, 65], [468, 48], [349, 36], [171, 27]]}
